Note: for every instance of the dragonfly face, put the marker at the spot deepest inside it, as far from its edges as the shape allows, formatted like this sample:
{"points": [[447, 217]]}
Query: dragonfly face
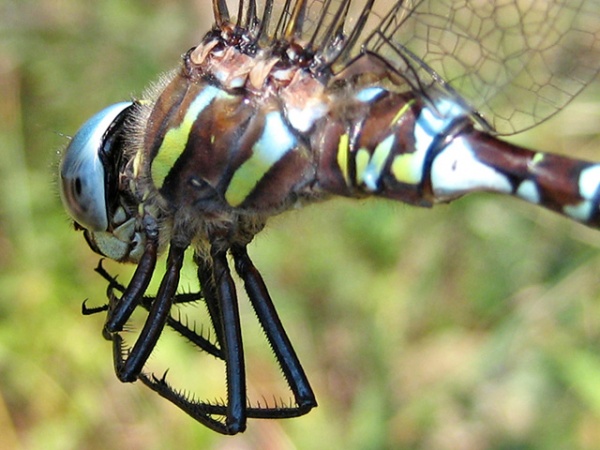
{"points": [[88, 183], [276, 110]]}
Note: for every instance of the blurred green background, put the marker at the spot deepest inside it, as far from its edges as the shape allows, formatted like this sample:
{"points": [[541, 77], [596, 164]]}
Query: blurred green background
{"points": [[471, 326]]}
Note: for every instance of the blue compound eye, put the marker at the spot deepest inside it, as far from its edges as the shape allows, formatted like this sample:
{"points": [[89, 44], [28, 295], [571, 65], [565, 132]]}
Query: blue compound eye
{"points": [[82, 171]]}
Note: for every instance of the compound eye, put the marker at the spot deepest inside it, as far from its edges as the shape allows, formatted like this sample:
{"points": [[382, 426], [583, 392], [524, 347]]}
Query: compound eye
{"points": [[82, 172]]}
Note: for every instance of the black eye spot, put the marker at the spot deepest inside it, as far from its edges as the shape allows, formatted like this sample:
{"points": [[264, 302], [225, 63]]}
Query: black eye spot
{"points": [[78, 186]]}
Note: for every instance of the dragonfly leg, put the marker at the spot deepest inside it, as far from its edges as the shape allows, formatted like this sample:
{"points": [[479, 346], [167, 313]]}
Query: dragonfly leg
{"points": [[176, 324], [221, 300], [219, 293], [207, 284], [129, 369], [134, 292], [277, 337], [232, 341]]}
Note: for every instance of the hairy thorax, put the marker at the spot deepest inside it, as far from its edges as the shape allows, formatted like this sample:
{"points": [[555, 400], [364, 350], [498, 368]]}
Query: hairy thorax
{"points": [[223, 142]]}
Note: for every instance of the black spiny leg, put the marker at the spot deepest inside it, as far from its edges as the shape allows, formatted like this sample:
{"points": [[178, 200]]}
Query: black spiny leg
{"points": [[232, 342], [118, 316], [278, 339], [128, 367], [221, 301], [219, 295], [176, 325], [207, 283]]}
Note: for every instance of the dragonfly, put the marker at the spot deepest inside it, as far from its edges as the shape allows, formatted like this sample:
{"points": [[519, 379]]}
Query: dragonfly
{"points": [[286, 103]]}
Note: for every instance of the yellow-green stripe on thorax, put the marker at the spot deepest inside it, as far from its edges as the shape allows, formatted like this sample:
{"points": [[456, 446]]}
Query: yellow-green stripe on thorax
{"points": [[274, 142], [175, 139]]}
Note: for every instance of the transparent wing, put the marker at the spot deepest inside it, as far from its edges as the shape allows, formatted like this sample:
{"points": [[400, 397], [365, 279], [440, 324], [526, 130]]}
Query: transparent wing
{"points": [[517, 62]]}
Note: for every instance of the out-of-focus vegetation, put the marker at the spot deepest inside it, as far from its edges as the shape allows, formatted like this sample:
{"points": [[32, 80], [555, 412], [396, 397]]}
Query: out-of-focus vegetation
{"points": [[471, 326]]}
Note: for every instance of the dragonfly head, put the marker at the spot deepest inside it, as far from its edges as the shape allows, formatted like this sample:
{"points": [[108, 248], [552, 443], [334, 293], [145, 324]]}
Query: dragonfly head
{"points": [[89, 186]]}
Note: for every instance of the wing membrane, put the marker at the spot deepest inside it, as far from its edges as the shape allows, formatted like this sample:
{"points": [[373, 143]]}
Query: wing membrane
{"points": [[517, 62]]}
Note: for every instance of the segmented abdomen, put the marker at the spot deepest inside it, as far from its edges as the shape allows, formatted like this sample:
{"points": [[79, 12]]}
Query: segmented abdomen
{"points": [[401, 147]]}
